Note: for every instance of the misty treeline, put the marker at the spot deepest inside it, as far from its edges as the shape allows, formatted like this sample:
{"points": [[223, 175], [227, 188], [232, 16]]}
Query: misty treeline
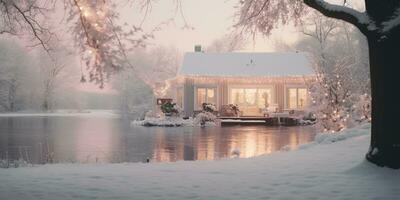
{"points": [[33, 80], [340, 95], [138, 86], [101, 38]]}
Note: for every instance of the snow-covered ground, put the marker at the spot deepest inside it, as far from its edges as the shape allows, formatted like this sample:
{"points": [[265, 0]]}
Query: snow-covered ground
{"points": [[63, 113], [168, 122], [333, 167]]}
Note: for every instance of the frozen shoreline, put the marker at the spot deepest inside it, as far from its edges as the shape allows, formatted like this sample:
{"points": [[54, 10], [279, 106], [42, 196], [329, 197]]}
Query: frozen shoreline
{"points": [[333, 167], [64, 113], [168, 122]]}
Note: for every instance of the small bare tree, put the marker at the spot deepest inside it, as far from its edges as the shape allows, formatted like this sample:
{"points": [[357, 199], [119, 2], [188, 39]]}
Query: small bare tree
{"points": [[51, 68], [13, 61]]}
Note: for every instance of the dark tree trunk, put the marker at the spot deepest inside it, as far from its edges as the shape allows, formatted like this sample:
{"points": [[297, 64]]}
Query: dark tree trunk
{"points": [[12, 95], [45, 105], [384, 53]]}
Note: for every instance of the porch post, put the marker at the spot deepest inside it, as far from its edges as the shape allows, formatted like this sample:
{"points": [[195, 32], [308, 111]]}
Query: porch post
{"points": [[188, 97]]}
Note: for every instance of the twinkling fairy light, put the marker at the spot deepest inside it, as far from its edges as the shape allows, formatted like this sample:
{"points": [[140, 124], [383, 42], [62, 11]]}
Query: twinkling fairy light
{"points": [[102, 42]]}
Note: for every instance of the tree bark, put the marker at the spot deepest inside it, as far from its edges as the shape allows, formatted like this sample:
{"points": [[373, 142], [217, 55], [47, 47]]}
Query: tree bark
{"points": [[384, 65], [384, 53]]}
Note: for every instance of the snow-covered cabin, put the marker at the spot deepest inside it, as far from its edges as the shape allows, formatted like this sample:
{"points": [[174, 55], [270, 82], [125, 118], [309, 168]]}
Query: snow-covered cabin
{"points": [[253, 81]]}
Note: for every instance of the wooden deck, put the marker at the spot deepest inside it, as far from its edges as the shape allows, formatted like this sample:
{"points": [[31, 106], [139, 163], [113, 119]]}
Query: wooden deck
{"points": [[250, 120]]}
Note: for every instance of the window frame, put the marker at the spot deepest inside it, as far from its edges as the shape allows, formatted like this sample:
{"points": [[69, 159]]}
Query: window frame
{"points": [[182, 98], [258, 87], [207, 87], [287, 96]]}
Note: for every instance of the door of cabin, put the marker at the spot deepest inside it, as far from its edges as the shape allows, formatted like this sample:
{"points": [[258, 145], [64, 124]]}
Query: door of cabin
{"points": [[251, 101]]}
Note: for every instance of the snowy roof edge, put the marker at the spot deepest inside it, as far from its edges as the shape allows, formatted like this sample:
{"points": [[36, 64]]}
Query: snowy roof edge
{"points": [[244, 64]]}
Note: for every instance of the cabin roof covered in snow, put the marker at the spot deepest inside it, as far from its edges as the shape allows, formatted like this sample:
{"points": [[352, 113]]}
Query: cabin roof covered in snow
{"points": [[246, 64]]}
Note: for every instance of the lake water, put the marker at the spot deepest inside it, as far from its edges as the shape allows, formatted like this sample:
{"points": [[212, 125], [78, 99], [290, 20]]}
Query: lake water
{"points": [[106, 139]]}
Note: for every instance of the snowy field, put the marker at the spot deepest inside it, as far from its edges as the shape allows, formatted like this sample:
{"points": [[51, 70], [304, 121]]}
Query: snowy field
{"points": [[330, 168], [63, 113]]}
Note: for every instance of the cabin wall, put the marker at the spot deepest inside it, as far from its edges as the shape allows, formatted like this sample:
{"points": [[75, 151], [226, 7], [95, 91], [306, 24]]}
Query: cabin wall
{"points": [[223, 93], [280, 95], [223, 85], [188, 101]]}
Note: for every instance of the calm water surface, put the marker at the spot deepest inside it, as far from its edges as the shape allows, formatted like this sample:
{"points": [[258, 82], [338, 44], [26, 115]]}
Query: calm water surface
{"points": [[105, 139]]}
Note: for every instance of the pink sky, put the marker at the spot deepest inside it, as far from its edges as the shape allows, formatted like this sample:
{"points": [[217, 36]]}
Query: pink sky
{"points": [[211, 19]]}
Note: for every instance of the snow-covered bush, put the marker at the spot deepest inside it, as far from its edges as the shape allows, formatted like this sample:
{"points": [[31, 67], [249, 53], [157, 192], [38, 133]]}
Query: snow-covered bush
{"points": [[207, 114], [362, 108], [13, 164], [163, 122], [209, 107], [204, 117], [170, 109]]}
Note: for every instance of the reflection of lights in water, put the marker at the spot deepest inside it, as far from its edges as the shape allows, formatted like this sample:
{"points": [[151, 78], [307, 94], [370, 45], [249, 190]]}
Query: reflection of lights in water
{"points": [[79, 139], [95, 141], [167, 149], [161, 153], [213, 144], [206, 147], [250, 144], [293, 140]]}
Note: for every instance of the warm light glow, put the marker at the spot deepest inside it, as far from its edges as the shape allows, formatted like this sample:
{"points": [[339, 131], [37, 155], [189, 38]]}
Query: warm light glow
{"points": [[251, 100], [205, 95], [244, 80], [297, 98]]}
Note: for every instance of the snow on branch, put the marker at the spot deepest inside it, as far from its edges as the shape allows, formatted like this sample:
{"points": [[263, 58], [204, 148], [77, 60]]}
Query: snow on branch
{"points": [[392, 23], [262, 16], [358, 19], [103, 43], [27, 17]]}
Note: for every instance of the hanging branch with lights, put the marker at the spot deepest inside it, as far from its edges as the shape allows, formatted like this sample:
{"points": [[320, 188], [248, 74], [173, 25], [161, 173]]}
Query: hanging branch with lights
{"points": [[101, 41]]}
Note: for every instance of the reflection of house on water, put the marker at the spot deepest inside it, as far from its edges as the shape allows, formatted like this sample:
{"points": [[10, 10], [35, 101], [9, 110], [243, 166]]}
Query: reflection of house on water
{"points": [[217, 143], [106, 140]]}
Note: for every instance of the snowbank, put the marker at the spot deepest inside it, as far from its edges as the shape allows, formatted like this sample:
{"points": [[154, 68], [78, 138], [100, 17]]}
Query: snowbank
{"points": [[167, 122], [323, 171], [326, 137]]}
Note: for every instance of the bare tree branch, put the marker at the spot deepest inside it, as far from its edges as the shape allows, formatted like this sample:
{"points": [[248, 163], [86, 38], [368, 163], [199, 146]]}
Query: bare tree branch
{"points": [[358, 19]]}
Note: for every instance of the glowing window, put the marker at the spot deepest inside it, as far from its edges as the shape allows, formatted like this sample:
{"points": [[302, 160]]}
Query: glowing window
{"points": [[297, 98], [301, 98], [205, 95]]}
